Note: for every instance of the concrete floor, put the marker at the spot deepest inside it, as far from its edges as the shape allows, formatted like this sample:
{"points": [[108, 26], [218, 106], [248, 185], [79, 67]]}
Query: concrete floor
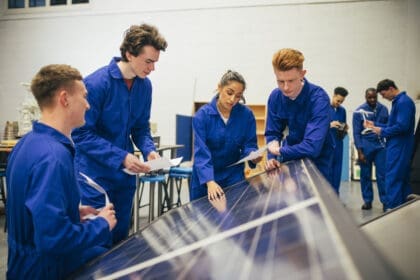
{"points": [[350, 195]]}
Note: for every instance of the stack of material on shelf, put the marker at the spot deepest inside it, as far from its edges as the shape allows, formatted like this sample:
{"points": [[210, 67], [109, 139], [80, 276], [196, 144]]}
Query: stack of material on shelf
{"points": [[10, 130]]}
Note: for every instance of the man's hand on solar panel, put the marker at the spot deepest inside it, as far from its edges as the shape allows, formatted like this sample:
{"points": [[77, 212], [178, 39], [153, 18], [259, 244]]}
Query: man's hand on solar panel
{"points": [[272, 164], [214, 190]]}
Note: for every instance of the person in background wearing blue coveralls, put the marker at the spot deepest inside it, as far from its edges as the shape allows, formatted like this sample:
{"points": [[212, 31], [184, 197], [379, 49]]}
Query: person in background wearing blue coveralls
{"points": [[120, 96], [338, 130], [399, 134], [370, 147], [48, 237], [224, 132], [304, 108]]}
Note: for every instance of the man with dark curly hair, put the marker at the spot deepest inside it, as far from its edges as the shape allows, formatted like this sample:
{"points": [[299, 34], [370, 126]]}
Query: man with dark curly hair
{"points": [[120, 96]]}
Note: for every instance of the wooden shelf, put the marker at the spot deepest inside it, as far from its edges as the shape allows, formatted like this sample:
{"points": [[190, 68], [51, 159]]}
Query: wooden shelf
{"points": [[260, 116]]}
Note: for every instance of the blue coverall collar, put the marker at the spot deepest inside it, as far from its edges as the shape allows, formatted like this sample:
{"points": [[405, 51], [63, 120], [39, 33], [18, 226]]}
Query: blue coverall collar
{"points": [[39, 127], [301, 98], [398, 96], [115, 71], [213, 106]]}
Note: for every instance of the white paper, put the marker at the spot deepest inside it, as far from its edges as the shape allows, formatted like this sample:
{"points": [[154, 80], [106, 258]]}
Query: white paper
{"points": [[97, 187], [252, 155], [364, 114], [94, 185], [159, 163]]}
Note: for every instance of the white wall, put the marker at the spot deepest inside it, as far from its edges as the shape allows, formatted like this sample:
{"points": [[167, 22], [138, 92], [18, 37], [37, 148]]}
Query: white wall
{"points": [[346, 43]]}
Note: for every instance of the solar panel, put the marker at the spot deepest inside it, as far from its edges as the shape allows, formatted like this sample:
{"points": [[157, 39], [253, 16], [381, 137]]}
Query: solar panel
{"points": [[287, 223]]}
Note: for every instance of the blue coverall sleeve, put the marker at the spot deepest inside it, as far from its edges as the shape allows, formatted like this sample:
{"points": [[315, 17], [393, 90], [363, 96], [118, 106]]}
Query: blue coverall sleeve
{"points": [[141, 132], [383, 115], [274, 126], [250, 143], [357, 129], [316, 131], [202, 154], [345, 115], [90, 142], [54, 230], [403, 122]]}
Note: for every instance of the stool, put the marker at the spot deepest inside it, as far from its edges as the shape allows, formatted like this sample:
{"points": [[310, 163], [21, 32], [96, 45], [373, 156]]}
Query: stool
{"points": [[154, 179], [176, 175]]}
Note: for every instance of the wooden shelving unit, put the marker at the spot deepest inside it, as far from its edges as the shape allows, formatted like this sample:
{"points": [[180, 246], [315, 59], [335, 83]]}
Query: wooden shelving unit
{"points": [[259, 111], [260, 115]]}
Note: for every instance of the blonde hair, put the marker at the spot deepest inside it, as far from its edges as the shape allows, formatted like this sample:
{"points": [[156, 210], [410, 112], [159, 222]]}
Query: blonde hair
{"points": [[287, 59]]}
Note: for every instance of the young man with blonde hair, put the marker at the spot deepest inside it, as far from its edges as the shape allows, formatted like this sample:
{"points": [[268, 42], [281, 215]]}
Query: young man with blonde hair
{"points": [[48, 237], [302, 107]]}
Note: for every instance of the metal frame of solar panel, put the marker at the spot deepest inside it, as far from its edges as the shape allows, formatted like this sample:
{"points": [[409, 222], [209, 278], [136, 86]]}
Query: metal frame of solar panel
{"points": [[286, 223]]}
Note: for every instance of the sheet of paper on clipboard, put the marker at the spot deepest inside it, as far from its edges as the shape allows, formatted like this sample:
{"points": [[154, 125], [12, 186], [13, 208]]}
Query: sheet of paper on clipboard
{"points": [[253, 155]]}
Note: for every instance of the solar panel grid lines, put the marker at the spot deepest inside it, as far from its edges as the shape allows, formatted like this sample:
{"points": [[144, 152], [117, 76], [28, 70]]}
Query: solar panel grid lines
{"points": [[335, 236], [246, 268], [210, 240], [271, 226], [220, 206]]}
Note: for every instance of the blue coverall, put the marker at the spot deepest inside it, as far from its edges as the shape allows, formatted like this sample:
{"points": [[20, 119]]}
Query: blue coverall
{"points": [[337, 114], [217, 145], [308, 120], [116, 114], [373, 147], [399, 134], [45, 237]]}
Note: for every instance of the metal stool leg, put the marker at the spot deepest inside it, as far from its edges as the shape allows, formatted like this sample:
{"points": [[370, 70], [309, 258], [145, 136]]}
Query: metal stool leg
{"points": [[166, 199], [136, 205], [151, 201], [178, 184]]}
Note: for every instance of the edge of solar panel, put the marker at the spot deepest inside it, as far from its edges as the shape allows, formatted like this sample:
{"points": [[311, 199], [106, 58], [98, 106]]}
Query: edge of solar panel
{"points": [[368, 260], [395, 234], [356, 255]]}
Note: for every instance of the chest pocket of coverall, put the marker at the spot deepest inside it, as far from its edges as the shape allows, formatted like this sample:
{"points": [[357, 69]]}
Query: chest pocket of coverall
{"points": [[216, 138], [224, 139]]}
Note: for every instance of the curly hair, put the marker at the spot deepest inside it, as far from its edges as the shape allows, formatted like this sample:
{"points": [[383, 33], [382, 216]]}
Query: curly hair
{"points": [[138, 36]]}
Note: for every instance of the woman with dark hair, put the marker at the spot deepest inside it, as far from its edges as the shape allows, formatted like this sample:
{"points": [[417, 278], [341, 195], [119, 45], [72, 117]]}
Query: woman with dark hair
{"points": [[224, 132]]}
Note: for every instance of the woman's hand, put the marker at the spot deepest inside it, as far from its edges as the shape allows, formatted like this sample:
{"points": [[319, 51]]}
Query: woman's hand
{"points": [[214, 190]]}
